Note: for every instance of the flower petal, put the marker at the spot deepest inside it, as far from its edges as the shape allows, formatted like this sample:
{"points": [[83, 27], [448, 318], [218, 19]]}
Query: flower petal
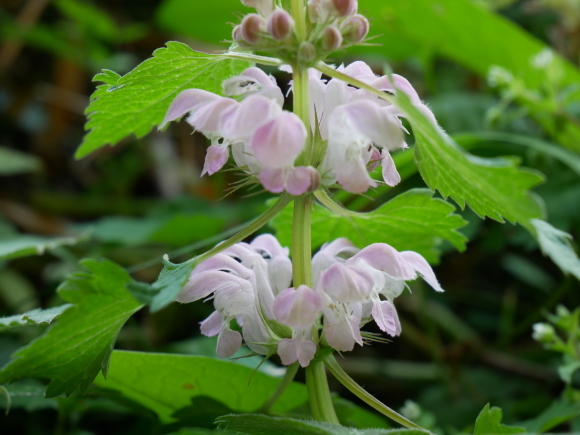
{"points": [[301, 179], [390, 173], [385, 258], [212, 325], [229, 342], [385, 315], [354, 177], [247, 117], [421, 266], [273, 179], [346, 283], [215, 159], [207, 117], [298, 308], [185, 102], [278, 143]]}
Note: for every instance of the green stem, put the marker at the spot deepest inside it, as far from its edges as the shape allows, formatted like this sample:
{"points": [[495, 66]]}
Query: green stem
{"points": [[299, 15], [282, 386], [365, 396], [302, 241], [317, 386]]}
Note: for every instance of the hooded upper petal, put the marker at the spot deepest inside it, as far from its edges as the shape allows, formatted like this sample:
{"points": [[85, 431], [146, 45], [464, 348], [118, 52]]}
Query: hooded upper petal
{"points": [[186, 101], [298, 308], [277, 143]]}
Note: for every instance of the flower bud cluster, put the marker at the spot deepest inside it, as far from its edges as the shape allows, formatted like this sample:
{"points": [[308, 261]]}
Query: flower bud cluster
{"points": [[251, 283], [333, 24]]}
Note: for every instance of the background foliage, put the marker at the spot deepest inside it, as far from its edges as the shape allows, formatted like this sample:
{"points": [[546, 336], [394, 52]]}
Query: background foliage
{"points": [[482, 67]]}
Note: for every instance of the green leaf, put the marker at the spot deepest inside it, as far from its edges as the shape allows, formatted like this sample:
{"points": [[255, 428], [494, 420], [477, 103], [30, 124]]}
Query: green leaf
{"points": [[257, 424], [166, 383], [489, 423], [557, 413], [14, 162], [34, 317], [556, 244], [26, 245], [137, 102], [412, 221], [78, 346], [27, 394], [567, 370]]}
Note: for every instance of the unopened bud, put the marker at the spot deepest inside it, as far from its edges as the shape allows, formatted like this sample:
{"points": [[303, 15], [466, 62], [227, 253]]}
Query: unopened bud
{"points": [[314, 10], [306, 52], [355, 28], [252, 27], [237, 34], [280, 24], [332, 38], [543, 332], [344, 8]]}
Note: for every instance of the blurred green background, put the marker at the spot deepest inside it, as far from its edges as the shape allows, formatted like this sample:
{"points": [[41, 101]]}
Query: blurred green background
{"points": [[501, 77]]}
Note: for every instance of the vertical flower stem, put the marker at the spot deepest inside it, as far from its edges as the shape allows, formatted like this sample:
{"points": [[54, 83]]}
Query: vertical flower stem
{"points": [[316, 382], [282, 386]]}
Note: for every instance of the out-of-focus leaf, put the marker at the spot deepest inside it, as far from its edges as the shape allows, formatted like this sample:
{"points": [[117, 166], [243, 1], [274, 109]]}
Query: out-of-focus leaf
{"points": [[138, 101], [559, 412], [166, 383], [25, 245], [556, 244], [257, 424], [78, 346], [412, 221], [489, 423], [14, 162], [34, 317], [27, 394], [567, 370]]}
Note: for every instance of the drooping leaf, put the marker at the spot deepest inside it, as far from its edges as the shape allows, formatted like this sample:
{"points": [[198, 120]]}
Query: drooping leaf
{"points": [[137, 102], [557, 413], [488, 422], [412, 221], [556, 244], [258, 424], [26, 245], [166, 383], [14, 162], [34, 317], [78, 346]]}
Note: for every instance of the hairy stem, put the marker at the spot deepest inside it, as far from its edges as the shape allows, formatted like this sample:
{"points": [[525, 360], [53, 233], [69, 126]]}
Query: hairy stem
{"points": [[282, 386], [317, 385], [364, 395], [299, 15]]}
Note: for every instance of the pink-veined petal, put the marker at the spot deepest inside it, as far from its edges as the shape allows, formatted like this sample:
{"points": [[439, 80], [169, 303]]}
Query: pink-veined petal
{"points": [[421, 266], [288, 351], [344, 334], [207, 117], [346, 283], [202, 285], [385, 315], [248, 116], [273, 179]]}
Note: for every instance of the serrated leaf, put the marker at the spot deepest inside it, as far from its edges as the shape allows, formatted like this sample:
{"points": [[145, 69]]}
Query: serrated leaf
{"points": [[258, 424], [25, 245], [166, 383], [556, 244], [33, 317], [488, 422], [491, 187], [412, 221], [557, 413], [137, 101], [78, 346]]}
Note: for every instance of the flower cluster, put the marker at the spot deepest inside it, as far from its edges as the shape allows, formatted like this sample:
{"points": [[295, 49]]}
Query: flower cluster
{"points": [[251, 283], [355, 129], [334, 24]]}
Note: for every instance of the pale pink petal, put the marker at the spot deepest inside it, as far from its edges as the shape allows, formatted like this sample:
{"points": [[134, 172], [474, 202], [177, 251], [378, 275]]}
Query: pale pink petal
{"points": [[379, 126], [185, 102], [385, 258], [344, 334], [298, 308], [273, 180], [212, 325], [375, 160], [269, 243], [360, 70], [390, 174], [353, 176], [247, 117], [229, 342], [420, 265], [300, 180], [346, 283], [280, 141], [215, 159], [254, 81], [207, 117], [202, 285], [385, 315], [223, 262], [306, 352], [255, 332], [288, 351]]}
